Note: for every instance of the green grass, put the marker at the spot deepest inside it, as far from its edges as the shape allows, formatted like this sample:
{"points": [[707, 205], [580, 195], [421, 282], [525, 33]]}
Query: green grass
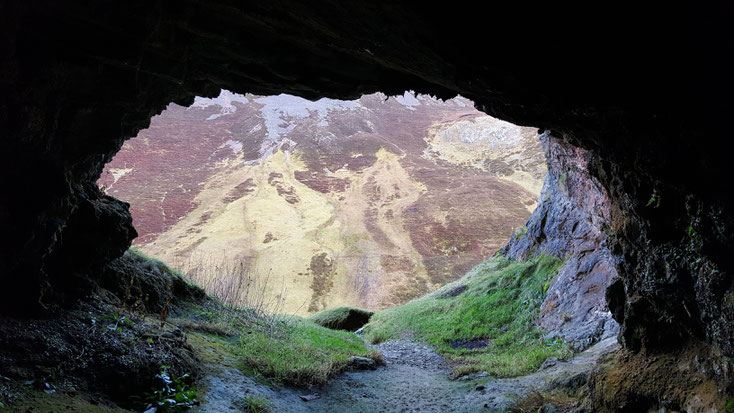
{"points": [[300, 352], [283, 350], [501, 303], [256, 404], [342, 318], [278, 350]]}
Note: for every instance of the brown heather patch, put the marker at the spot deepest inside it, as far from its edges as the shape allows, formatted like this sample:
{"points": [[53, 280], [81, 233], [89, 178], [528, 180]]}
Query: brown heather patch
{"points": [[269, 238], [396, 263], [239, 191], [321, 182], [322, 271]]}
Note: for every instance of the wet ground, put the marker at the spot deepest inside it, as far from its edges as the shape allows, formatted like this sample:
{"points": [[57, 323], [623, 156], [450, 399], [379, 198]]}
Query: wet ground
{"points": [[414, 379]]}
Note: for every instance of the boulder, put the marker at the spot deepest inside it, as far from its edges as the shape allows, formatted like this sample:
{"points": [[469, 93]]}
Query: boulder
{"points": [[342, 318], [362, 363]]}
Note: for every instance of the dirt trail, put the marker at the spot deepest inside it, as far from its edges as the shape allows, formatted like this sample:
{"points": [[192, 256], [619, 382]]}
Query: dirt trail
{"points": [[415, 379]]}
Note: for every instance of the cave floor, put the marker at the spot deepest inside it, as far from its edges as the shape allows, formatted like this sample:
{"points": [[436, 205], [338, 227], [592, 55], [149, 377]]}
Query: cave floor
{"points": [[413, 379]]}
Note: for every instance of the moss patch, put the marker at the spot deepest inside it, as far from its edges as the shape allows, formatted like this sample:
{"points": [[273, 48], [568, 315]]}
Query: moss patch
{"points": [[537, 401], [500, 304], [729, 408]]}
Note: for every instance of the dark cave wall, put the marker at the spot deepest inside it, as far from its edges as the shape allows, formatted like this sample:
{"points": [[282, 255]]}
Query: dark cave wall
{"points": [[641, 88]]}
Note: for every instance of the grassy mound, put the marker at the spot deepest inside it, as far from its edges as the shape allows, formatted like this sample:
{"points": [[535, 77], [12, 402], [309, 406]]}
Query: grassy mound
{"points": [[300, 352], [282, 351], [483, 322], [342, 318]]}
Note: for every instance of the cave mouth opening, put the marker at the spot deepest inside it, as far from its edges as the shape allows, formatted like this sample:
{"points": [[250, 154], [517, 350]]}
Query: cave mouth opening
{"points": [[327, 203], [87, 78]]}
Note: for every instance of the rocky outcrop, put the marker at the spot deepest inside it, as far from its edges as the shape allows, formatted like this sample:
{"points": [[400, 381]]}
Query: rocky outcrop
{"points": [[570, 223], [646, 90], [100, 343]]}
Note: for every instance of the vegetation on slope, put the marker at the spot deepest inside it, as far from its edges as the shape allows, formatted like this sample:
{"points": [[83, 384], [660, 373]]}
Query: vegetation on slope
{"points": [[291, 351], [147, 321], [301, 353], [286, 349], [361, 223], [484, 321]]}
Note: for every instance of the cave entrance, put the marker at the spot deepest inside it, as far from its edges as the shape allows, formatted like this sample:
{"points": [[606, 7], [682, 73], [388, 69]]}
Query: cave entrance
{"points": [[370, 202]]}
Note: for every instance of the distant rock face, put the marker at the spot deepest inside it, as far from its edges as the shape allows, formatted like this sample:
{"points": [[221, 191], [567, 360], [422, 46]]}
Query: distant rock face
{"points": [[369, 202], [572, 214]]}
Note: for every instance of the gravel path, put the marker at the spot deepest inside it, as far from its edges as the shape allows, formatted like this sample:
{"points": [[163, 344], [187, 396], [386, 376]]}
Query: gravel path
{"points": [[415, 379]]}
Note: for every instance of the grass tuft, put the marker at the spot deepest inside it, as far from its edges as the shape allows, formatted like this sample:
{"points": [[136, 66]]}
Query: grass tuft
{"points": [[256, 404], [500, 304], [280, 349]]}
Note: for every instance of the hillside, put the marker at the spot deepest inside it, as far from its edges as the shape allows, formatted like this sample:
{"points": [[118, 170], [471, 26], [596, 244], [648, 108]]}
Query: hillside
{"points": [[370, 202]]}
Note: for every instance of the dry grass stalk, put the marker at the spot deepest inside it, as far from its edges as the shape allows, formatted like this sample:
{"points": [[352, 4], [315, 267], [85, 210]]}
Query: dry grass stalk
{"points": [[236, 284]]}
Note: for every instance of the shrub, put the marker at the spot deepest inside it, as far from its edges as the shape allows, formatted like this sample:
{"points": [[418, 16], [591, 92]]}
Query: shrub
{"points": [[234, 283]]}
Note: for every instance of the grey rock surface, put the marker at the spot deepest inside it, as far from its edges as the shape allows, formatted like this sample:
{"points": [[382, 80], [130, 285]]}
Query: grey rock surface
{"points": [[573, 210]]}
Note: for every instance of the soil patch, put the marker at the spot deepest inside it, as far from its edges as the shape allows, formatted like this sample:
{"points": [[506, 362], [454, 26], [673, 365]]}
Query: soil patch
{"points": [[455, 291]]}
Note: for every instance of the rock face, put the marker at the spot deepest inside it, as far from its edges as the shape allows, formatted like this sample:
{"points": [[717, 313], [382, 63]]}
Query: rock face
{"points": [[370, 202], [570, 223], [646, 90]]}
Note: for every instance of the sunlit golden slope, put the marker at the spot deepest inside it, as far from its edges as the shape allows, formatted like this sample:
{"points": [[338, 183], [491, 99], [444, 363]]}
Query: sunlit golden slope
{"points": [[370, 202]]}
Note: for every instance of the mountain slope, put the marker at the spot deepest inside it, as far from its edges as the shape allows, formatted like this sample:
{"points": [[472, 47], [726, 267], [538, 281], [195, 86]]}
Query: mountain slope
{"points": [[369, 202]]}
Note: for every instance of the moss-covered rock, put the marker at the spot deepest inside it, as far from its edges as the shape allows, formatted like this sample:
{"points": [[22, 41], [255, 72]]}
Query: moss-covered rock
{"points": [[342, 318], [147, 284]]}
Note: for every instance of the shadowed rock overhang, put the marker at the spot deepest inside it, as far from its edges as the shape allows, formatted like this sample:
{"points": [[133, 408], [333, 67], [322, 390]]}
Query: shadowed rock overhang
{"points": [[643, 88]]}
